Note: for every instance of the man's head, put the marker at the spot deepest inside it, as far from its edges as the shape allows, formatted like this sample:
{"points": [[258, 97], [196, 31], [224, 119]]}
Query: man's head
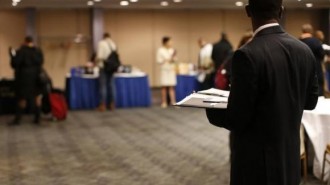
{"points": [[307, 28], [224, 36], [201, 42], [28, 41], [319, 35], [265, 10], [106, 35]]}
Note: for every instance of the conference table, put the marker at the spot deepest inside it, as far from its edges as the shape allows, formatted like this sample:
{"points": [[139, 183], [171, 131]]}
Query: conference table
{"points": [[317, 126], [186, 84], [130, 90]]}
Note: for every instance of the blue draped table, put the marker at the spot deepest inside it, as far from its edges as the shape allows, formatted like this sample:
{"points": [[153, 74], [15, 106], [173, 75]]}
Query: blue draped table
{"points": [[130, 91], [186, 84], [82, 93]]}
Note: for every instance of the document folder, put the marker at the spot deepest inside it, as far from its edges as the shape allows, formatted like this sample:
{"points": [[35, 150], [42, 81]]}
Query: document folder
{"points": [[211, 98]]}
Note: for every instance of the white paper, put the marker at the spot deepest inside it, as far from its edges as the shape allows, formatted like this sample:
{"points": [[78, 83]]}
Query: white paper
{"points": [[204, 101], [215, 92]]}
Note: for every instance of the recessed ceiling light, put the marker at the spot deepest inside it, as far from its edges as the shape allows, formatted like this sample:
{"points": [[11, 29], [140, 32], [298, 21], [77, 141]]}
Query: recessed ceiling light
{"points": [[97, 0], [164, 3], [14, 4], [134, 1], [16, 1], [90, 3], [239, 3], [177, 1], [309, 5], [299, 0], [124, 3]]}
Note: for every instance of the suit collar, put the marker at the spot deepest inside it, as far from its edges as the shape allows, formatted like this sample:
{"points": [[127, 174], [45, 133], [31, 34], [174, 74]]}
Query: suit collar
{"points": [[270, 30]]}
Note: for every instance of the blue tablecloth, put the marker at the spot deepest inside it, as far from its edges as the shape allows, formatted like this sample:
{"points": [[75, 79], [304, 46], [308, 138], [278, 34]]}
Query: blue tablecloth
{"points": [[83, 93], [186, 84], [132, 92]]}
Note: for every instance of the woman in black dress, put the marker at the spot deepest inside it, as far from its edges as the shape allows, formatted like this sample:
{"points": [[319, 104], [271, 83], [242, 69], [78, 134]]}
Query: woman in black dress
{"points": [[27, 63]]}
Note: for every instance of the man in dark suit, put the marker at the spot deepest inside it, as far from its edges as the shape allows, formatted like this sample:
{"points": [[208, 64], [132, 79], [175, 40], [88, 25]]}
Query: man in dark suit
{"points": [[221, 50], [273, 81], [316, 46]]}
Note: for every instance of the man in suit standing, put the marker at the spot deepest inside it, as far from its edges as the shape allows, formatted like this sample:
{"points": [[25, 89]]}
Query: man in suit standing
{"points": [[221, 50], [273, 81], [316, 46]]}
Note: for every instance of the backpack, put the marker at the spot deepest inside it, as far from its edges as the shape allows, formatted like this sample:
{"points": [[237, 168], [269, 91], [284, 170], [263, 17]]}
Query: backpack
{"points": [[112, 63]]}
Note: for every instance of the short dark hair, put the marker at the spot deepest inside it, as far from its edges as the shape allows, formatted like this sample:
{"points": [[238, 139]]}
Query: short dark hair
{"points": [[166, 39], [106, 35], [265, 9], [28, 39]]}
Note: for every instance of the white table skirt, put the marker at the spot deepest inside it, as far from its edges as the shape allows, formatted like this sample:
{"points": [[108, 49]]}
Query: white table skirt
{"points": [[317, 126]]}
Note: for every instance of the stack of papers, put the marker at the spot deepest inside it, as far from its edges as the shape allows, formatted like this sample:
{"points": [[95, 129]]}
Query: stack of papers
{"points": [[211, 98]]}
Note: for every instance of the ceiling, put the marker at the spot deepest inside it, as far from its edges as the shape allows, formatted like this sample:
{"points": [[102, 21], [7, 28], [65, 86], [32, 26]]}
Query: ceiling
{"points": [[152, 4]]}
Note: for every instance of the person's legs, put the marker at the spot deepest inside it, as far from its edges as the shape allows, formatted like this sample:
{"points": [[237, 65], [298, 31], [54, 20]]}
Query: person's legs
{"points": [[164, 97], [103, 90], [37, 109], [21, 104], [172, 95], [110, 84]]}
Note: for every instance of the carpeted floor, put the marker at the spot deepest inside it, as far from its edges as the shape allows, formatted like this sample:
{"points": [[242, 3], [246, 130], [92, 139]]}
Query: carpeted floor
{"points": [[126, 147]]}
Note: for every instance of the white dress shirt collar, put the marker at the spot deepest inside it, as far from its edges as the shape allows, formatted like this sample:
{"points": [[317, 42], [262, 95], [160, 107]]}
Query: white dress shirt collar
{"points": [[264, 27]]}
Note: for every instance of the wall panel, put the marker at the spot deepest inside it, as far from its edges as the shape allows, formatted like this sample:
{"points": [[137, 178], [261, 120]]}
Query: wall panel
{"points": [[57, 30], [137, 33], [12, 33]]}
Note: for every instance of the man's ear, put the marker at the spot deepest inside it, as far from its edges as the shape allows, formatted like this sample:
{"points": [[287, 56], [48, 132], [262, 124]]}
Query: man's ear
{"points": [[248, 10], [280, 16]]}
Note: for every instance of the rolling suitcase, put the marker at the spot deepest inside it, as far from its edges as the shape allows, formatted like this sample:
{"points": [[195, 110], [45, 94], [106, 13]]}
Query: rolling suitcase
{"points": [[58, 105]]}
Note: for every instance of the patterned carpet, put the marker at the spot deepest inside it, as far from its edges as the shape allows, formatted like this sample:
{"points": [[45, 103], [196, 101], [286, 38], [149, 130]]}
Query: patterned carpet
{"points": [[126, 147]]}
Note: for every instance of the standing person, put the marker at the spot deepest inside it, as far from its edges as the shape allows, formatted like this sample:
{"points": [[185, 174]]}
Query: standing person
{"points": [[325, 65], [205, 64], [221, 50], [105, 47], [166, 57], [316, 46], [320, 35], [273, 81], [244, 40], [27, 64]]}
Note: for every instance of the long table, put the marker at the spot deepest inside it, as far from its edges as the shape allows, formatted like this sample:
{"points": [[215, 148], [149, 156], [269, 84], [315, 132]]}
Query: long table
{"points": [[130, 91], [317, 126], [186, 84]]}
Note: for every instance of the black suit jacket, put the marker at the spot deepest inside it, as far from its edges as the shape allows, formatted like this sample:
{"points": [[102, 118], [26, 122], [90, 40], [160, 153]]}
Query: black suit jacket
{"points": [[316, 46], [220, 52], [273, 81]]}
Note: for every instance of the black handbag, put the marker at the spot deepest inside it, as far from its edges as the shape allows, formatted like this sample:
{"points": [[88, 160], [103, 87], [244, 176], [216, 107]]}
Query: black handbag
{"points": [[112, 63], [44, 81]]}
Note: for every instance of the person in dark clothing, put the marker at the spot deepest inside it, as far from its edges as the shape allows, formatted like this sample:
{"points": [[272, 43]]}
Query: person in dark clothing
{"points": [[27, 64], [273, 81], [316, 46], [220, 51], [247, 37]]}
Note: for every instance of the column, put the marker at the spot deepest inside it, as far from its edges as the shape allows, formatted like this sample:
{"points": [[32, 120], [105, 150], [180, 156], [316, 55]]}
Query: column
{"points": [[31, 19], [97, 26]]}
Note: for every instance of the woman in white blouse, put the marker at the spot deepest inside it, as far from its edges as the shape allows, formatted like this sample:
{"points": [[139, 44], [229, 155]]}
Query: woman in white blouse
{"points": [[166, 57]]}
